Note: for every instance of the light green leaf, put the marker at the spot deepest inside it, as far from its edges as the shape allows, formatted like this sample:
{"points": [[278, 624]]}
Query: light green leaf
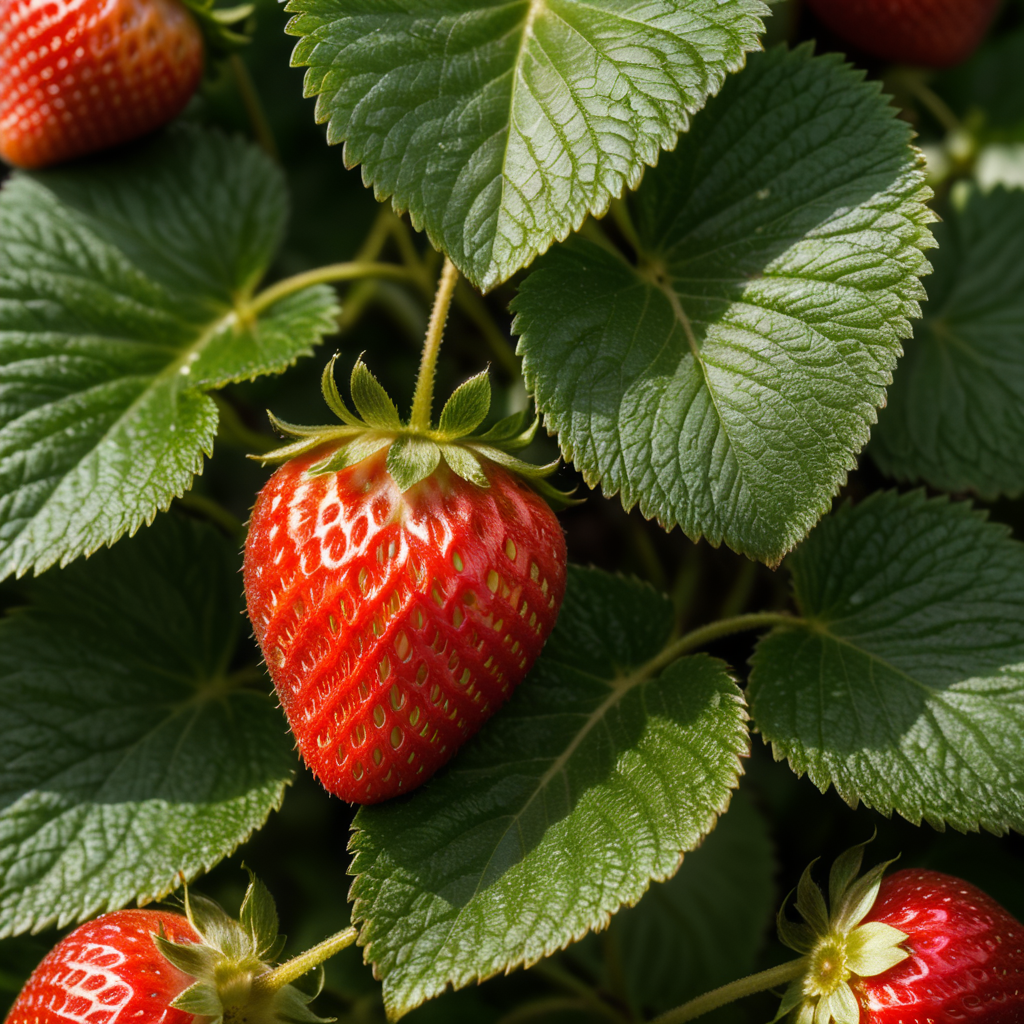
{"points": [[904, 686], [498, 126], [956, 408], [128, 754], [590, 784], [467, 408], [124, 287], [726, 380]]}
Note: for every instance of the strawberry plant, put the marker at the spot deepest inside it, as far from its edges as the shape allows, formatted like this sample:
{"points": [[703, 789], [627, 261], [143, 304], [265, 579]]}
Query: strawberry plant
{"points": [[709, 563]]}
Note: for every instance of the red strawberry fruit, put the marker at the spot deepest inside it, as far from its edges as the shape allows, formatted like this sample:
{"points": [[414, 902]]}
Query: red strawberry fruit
{"points": [[401, 583], [77, 76], [934, 33], [159, 967], [917, 947]]}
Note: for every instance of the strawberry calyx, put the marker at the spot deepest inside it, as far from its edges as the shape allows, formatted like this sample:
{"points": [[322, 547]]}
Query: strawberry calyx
{"points": [[837, 948], [235, 979], [413, 452], [220, 26]]}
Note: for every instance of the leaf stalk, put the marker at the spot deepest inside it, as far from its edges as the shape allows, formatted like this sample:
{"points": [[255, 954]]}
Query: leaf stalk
{"points": [[722, 996], [333, 272]]}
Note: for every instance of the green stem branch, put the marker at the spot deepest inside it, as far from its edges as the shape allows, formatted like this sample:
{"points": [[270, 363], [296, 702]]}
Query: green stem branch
{"points": [[254, 108], [423, 397], [754, 983], [295, 968], [333, 272]]}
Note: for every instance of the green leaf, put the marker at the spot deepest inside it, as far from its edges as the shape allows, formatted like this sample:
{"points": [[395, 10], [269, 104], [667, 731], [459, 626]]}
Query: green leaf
{"points": [[904, 685], [467, 408], [124, 288], [726, 381], [500, 126], [592, 781], [372, 402], [700, 929], [127, 753], [955, 416]]}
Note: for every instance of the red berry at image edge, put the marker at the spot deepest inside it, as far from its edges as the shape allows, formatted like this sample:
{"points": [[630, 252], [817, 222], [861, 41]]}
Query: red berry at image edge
{"points": [[77, 76], [109, 971], [933, 33], [966, 958], [394, 624]]}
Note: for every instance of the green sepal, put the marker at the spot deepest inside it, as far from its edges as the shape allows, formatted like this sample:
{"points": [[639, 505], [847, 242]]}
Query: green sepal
{"points": [[220, 25], [464, 463], [192, 958], [513, 432], [858, 899], [810, 903], [199, 999], [213, 924], [791, 999], [293, 1005], [362, 446], [412, 459], [842, 1006], [332, 396], [466, 409], [258, 916], [297, 430], [511, 463], [845, 869], [372, 402], [796, 936], [874, 947]]}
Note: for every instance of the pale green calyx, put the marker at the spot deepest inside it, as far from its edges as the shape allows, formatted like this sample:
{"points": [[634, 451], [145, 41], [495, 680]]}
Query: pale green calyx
{"points": [[235, 978], [837, 946], [413, 452]]}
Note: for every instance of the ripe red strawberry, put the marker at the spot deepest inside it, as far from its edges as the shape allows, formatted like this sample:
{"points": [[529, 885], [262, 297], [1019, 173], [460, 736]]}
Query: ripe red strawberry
{"points": [[158, 967], [935, 33], [918, 947], [400, 584], [966, 958], [78, 76], [109, 970]]}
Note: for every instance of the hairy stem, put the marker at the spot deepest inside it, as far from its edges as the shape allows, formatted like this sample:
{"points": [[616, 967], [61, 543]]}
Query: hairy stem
{"points": [[754, 983], [293, 969], [325, 275], [423, 398]]}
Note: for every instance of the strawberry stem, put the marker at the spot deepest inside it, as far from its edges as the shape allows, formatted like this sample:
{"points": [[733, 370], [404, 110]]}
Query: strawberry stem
{"points": [[423, 398], [325, 275], [752, 984], [293, 969]]}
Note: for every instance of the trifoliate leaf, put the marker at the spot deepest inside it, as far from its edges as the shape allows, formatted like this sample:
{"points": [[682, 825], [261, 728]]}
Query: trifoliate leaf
{"points": [[129, 755], [903, 686], [124, 295], [590, 783], [500, 126], [726, 379], [955, 416]]}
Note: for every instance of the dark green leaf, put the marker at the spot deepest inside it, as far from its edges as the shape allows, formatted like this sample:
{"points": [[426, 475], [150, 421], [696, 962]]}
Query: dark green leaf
{"points": [[727, 380], [904, 685], [955, 416], [128, 755], [590, 784], [499, 126], [124, 291]]}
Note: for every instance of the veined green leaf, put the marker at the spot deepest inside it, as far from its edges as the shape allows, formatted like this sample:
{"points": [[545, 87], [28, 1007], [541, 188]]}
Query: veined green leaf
{"points": [[124, 286], [726, 381], [590, 784], [955, 416], [128, 755], [904, 685], [499, 126]]}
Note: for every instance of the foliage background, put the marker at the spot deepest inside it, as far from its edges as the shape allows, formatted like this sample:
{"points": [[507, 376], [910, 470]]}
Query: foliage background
{"points": [[715, 919]]}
